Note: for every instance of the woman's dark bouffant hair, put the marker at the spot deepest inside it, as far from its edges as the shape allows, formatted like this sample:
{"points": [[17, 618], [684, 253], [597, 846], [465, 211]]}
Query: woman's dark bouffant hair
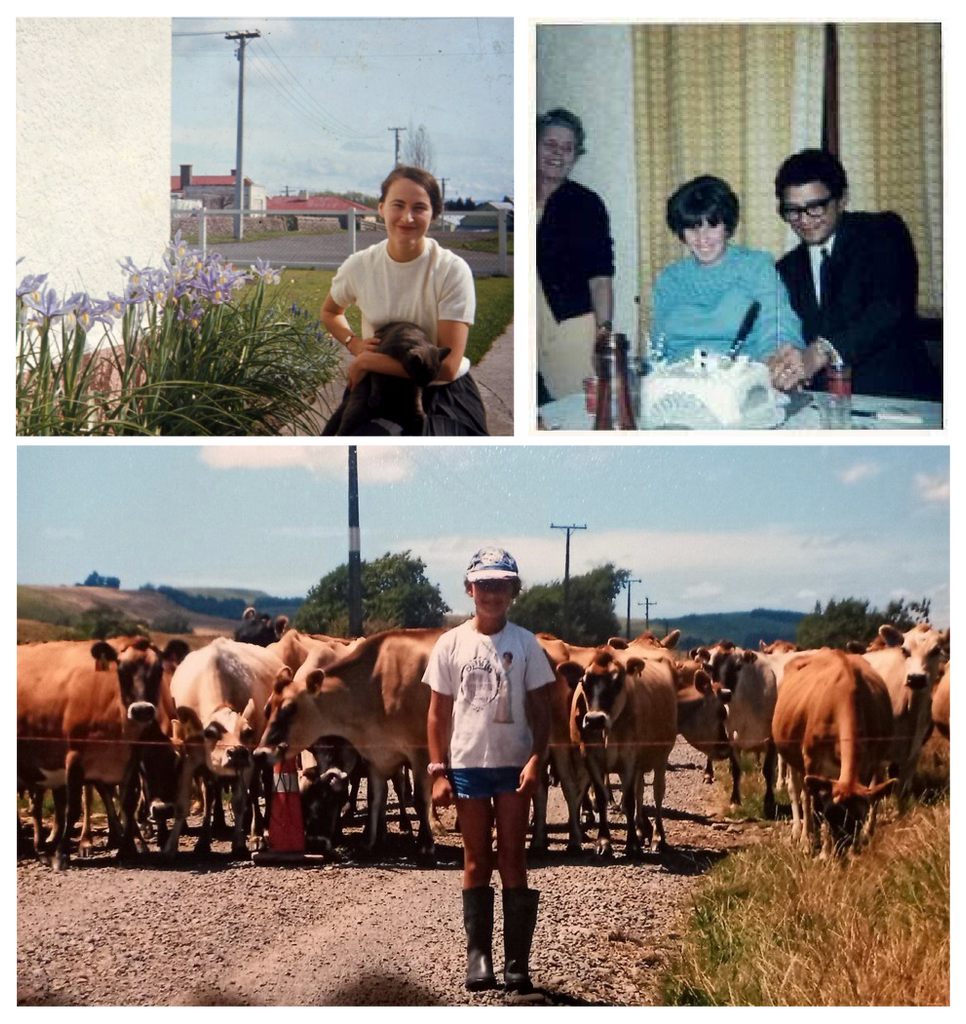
{"points": [[703, 199], [422, 178], [562, 116]]}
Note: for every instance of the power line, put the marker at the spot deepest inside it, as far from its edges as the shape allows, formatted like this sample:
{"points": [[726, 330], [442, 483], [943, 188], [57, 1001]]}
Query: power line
{"points": [[346, 129], [281, 90]]}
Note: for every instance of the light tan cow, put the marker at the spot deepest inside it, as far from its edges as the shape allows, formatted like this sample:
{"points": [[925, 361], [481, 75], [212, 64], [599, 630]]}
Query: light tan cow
{"points": [[292, 649], [940, 703], [910, 664], [220, 693], [322, 654], [833, 725], [702, 703], [753, 689]]}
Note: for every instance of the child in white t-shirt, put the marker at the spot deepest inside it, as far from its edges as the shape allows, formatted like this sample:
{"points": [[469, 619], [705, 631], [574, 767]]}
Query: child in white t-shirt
{"points": [[488, 729]]}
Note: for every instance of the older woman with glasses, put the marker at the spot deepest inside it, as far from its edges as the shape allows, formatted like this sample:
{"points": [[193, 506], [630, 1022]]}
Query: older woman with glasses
{"points": [[702, 300], [575, 261]]}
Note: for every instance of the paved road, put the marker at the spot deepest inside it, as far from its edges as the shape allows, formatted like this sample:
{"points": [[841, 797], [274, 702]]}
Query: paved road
{"points": [[329, 251]]}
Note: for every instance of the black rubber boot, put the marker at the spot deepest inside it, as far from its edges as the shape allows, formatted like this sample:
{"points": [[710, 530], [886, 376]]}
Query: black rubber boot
{"points": [[519, 920], [478, 921]]}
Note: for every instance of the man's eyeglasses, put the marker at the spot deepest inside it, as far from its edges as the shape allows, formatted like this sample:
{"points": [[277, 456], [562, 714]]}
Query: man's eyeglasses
{"points": [[813, 210]]}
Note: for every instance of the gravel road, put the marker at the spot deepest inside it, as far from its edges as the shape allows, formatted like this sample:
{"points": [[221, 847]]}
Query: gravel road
{"points": [[224, 932]]}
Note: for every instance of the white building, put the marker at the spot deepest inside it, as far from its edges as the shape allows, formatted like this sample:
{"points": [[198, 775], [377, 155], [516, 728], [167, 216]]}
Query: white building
{"points": [[93, 148]]}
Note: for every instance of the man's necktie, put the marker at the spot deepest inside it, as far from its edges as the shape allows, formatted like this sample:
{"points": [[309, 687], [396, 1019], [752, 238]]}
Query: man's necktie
{"points": [[824, 276]]}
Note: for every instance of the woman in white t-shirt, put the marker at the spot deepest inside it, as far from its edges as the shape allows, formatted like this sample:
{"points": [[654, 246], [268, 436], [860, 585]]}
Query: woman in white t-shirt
{"points": [[411, 277], [488, 729]]}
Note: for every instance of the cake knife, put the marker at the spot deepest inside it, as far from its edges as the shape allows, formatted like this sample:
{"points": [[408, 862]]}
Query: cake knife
{"points": [[745, 329]]}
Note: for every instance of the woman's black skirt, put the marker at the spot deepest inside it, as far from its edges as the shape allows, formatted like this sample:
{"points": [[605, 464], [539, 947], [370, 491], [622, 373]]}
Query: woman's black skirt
{"points": [[452, 410]]}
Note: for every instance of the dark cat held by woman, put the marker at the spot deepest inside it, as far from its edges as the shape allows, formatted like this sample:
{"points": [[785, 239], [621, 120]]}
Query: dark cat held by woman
{"points": [[380, 396]]}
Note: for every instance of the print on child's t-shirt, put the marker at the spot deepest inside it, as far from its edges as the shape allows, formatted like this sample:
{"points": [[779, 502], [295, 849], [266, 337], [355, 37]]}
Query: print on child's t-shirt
{"points": [[480, 682]]}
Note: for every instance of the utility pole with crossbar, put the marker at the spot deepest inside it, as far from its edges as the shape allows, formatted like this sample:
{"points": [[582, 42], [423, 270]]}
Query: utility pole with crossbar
{"points": [[242, 39], [566, 592]]}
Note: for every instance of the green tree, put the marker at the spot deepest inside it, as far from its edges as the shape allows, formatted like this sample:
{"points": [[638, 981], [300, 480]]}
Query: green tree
{"points": [[101, 622], [592, 595], [395, 593], [853, 619]]}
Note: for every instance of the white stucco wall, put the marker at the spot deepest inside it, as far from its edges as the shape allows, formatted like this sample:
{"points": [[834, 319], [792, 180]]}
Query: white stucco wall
{"points": [[93, 148], [588, 69]]}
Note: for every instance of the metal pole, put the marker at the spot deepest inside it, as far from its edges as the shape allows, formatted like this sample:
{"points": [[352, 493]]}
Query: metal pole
{"points": [[501, 232], [355, 560], [566, 590], [629, 582], [397, 131], [647, 602], [242, 39]]}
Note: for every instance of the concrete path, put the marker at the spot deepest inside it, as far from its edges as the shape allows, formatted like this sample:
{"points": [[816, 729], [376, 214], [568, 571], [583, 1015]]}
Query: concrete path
{"points": [[494, 378]]}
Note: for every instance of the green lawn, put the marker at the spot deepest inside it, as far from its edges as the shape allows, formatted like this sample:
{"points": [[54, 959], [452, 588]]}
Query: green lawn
{"points": [[494, 305]]}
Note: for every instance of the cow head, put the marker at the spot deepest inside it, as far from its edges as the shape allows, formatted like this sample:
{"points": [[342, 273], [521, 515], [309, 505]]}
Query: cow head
{"points": [[140, 671], [260, 629], [844, 808], [924, 650], [648, 639], [601, 695], [293, 721], [777, 647], [230, 738], [724, 663], [702, 711]]}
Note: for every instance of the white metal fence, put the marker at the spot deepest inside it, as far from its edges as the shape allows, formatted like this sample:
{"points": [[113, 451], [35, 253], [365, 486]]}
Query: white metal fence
{"points": [[481, 237]]}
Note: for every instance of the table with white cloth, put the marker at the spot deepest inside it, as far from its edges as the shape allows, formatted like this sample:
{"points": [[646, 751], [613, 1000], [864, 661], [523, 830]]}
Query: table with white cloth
{"points": [[805, 410]]}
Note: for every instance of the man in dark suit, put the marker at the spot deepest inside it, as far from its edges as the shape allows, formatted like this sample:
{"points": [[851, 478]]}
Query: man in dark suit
{"points": [[853, 282]]}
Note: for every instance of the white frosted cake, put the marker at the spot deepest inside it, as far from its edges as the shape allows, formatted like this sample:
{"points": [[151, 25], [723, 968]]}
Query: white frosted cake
{"points": [[710, 392]]}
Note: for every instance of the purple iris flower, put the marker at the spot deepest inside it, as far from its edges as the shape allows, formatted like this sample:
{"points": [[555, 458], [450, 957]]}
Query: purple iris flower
{"points": [[31, 283], [45, 303]]}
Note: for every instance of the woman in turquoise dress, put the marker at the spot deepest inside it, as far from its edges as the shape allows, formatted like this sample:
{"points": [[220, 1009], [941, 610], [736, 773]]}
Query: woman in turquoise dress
{"points": [[701, 300]]}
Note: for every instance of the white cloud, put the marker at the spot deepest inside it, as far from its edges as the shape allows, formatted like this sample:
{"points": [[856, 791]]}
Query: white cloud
{"points": [[641, 551], [377, 465], [685, 571], [859, 471], [932, 488]]}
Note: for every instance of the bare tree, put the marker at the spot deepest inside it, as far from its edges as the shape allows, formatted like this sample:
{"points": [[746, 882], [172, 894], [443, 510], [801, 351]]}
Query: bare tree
{"points": [[418, 149]]}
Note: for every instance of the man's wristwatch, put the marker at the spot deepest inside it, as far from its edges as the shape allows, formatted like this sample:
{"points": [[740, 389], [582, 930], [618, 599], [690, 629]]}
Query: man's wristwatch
{"points": [[830, 352], [435, 769], [606, 325]]}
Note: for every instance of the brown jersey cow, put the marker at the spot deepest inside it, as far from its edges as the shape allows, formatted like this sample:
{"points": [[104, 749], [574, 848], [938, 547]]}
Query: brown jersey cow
{"points": [[375, 698], [833, 725], [84, 711]]}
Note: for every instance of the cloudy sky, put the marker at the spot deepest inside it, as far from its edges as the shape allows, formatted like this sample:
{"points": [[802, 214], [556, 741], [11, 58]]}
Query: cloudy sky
{"points": [[321, 94], [706, 529]]}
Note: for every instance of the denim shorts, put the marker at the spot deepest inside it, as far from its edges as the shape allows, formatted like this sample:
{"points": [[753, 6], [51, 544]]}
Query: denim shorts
{"points": [[477, 783]]}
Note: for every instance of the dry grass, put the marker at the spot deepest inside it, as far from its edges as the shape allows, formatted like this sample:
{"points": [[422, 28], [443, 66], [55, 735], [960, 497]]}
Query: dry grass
{"points": [[773, 926]]}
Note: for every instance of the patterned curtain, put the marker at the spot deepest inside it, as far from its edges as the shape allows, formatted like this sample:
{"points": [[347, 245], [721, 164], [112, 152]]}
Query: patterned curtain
{"points": [[729, 100], [890, 131]]}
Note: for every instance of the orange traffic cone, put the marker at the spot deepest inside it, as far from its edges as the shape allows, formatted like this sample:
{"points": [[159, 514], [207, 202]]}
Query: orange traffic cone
{"points": [[286, 835]]}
